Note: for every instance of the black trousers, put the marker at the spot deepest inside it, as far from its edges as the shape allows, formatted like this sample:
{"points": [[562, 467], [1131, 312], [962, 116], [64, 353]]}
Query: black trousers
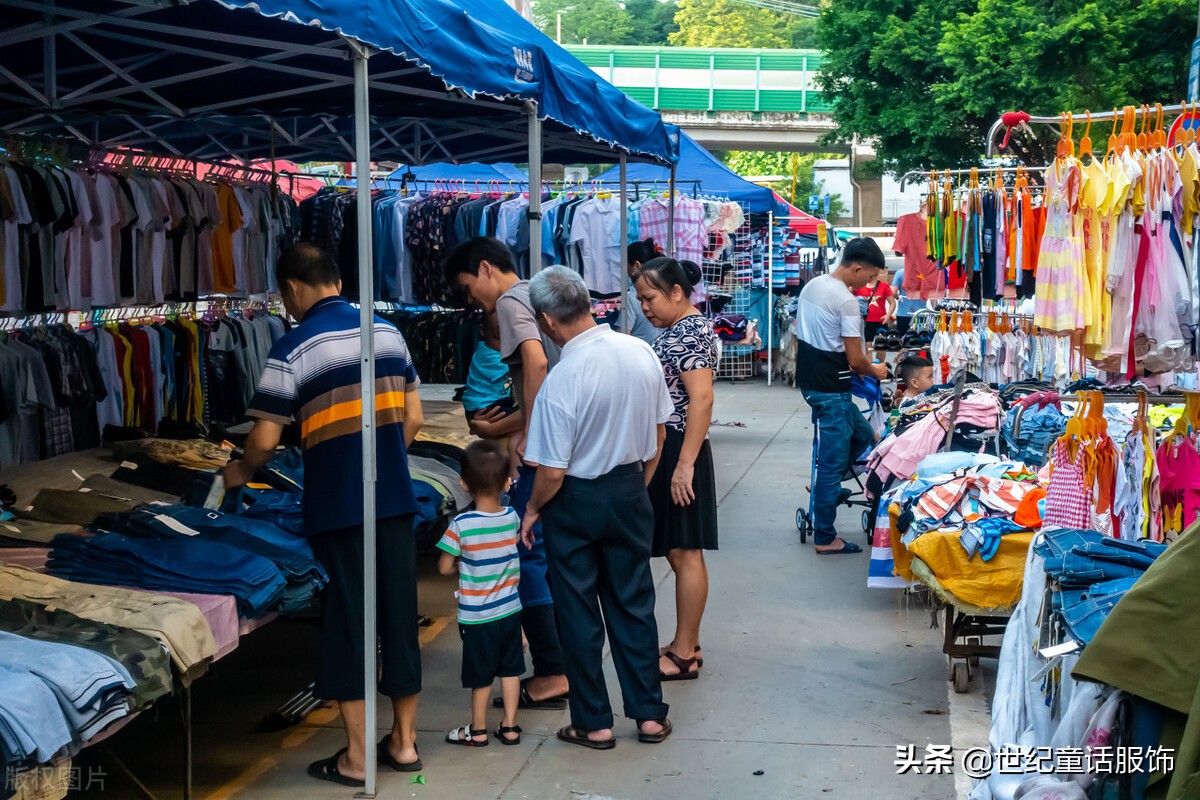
{"points": [[340, 666], [598, 535]]}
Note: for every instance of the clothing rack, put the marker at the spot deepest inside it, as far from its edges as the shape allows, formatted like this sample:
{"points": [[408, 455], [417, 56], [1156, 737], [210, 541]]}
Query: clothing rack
{"points": [[1085, 116], [919, 174]]}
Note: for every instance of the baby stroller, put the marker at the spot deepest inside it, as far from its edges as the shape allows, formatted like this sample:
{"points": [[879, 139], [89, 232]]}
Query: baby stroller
{"points": [[870, 390]]}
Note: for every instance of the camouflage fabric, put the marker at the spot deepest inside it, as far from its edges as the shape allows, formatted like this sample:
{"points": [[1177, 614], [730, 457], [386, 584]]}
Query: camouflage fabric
{"points": [[146, 660]]}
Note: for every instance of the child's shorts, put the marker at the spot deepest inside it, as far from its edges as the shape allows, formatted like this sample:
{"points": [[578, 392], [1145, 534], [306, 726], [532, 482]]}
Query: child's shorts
{"points": [[491, 650]]}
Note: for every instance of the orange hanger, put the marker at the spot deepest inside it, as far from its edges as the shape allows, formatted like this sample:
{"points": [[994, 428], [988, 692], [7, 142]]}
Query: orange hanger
{"points": [[1143, 140], [1159, 139], [1085, 144], [1112, 137], [969, 322]]}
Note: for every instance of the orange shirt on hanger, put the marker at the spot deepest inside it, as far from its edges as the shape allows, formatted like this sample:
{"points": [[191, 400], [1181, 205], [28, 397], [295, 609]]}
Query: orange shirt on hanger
{"points": [[222, 239]]}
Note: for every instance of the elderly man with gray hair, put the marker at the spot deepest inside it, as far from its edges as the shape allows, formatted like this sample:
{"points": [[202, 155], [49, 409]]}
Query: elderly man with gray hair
{"points": [[596, 435]]}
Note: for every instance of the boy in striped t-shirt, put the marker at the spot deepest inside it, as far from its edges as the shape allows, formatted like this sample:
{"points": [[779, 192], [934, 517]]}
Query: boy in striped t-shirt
{"points": [[484, 543]]}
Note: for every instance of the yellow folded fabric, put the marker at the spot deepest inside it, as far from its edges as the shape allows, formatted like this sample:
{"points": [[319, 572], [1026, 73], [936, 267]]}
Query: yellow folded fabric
{"points": [[986, 584]]}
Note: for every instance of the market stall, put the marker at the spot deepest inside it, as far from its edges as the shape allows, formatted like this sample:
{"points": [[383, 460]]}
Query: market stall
{"points": [[454, 80]]}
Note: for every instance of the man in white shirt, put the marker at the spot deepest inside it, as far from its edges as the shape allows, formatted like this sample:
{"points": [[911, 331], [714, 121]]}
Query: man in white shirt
{"points": [[829, 329], [596, 434]]}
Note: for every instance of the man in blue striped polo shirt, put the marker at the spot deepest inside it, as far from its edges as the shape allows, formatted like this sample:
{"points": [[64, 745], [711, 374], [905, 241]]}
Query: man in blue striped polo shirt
{"points": [[313, 377]]}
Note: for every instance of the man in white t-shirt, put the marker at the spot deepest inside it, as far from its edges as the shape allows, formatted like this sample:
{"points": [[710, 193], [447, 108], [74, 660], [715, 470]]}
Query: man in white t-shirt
{"points": [[596, 435], [829, 330]]}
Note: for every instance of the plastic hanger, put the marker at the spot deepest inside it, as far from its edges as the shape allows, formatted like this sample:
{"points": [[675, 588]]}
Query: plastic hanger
{"points": [[1085, 144], [1112, 137]]}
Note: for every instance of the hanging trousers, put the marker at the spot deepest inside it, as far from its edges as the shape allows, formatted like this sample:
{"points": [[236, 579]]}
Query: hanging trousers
{"points": [[598, 536]]}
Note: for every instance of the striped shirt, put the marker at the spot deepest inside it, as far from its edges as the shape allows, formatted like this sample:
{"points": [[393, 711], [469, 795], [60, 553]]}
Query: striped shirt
{"points": [[489, 568], [313, 376]]}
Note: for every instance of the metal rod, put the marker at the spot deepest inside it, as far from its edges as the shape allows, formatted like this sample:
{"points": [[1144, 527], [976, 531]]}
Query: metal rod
{"points": [[914, 174], [626, 310], [1095, 116], [770, 292], [671, 214], [362, 151], [534, 214]]}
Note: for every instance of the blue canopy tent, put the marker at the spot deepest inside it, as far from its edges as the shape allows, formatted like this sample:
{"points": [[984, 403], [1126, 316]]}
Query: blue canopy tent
{"points": [[697, 164], [243, 80], [462, 172]]}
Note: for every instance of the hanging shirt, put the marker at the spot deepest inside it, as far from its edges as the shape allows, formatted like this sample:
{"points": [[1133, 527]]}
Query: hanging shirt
{"points": [[596, 229], [922, 278], [1179, 481]]}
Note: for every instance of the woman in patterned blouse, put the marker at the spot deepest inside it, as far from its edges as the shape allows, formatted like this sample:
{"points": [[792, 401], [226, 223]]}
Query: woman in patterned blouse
{"points": [[683, 488]]}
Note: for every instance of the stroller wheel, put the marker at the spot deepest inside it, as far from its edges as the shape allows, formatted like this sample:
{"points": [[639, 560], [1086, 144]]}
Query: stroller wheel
{"points": [[802, 524], [866, 521]]}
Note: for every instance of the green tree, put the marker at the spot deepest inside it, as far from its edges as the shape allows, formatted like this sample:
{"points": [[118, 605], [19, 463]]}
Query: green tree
{"points": [[925, 79], [724, 23], [653, 21], [752, 163], [597, 21]]}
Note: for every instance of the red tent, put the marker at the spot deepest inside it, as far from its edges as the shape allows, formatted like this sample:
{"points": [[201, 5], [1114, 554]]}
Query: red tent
{"points": [[800, 221]]}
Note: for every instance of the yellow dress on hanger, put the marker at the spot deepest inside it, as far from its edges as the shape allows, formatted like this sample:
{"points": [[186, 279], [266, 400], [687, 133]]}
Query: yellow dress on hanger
{"points": [[1097, 235]]}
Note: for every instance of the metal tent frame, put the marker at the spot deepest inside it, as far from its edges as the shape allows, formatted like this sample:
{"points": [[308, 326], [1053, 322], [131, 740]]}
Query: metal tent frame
{"points": [[173, 76]]}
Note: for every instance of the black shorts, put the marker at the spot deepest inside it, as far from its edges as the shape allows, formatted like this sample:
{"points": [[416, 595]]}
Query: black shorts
{"points": [[491, 650], [869, 331], [340, 667]]}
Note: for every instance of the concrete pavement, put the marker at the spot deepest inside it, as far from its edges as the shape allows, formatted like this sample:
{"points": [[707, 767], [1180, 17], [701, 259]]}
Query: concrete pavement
{"points": [[810, 679]]}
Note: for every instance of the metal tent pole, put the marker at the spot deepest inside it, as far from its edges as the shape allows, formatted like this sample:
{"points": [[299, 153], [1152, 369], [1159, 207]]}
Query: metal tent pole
{"points": [[366, 294], [626, 314], [534, 214], [671, 215], [770, 292]]}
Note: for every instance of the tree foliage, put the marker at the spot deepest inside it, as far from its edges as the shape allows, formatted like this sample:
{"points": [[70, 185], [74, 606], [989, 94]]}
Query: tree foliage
{"points": [[724, 23], [596, 21], [752, 163], [924, 79], [653, 21]]}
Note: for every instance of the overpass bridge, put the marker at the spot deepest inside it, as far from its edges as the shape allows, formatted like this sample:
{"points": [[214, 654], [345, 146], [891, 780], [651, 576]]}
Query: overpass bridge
{"points": [[725, 98]]}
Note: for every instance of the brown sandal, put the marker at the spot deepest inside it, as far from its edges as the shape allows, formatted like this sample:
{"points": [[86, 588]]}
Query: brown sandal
{"points": [[662, 651], [573, 735], [654, 738], [686, 673]]}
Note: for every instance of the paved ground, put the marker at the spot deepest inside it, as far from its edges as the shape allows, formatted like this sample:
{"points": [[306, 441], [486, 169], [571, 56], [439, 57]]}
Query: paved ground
{"points": [[809, 678]]}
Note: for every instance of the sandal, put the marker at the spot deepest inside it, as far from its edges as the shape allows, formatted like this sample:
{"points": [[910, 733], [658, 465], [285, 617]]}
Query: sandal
{"points": [[527, 702], [847, 547], [573, 735], [686, 673], [503, 730], [467, 737], [654, 738], [385, 758], [327, 770], [662, 651]]}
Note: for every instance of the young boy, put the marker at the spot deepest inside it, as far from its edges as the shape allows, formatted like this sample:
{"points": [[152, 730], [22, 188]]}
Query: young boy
{"points": [[484, 543], [916, 373]]}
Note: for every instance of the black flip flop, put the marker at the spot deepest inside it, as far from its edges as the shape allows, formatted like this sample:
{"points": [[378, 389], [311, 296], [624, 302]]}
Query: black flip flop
{"points": [[847, 547], [327, 770], [572, 735], [385, 758], [527, 703], [655, 738]]}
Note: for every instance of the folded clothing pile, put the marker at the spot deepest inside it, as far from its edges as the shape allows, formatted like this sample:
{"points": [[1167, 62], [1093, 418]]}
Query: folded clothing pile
{"points": [[1090, 573], [1031, 426], [148, 662], [291, 555], [55, 697], [187, 564]]}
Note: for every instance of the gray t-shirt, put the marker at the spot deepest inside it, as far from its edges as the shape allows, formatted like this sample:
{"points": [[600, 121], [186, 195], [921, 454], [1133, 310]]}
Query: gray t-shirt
{"points": [[640, 327], [518, 324]]}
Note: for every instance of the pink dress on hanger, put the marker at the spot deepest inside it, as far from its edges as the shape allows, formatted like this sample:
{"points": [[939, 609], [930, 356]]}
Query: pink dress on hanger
{"points": [[1068, 504], [1060, 271]]}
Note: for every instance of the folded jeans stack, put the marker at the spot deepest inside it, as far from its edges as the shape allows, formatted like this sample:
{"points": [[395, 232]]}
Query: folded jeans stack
{"points": [[1091, 572], [291, 554], [195, 566]]}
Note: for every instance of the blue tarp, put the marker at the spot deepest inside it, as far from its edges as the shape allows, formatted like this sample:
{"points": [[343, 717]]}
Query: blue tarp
{"points": [[697, 164], [463, 172], [485, 47], [253, 79]]}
